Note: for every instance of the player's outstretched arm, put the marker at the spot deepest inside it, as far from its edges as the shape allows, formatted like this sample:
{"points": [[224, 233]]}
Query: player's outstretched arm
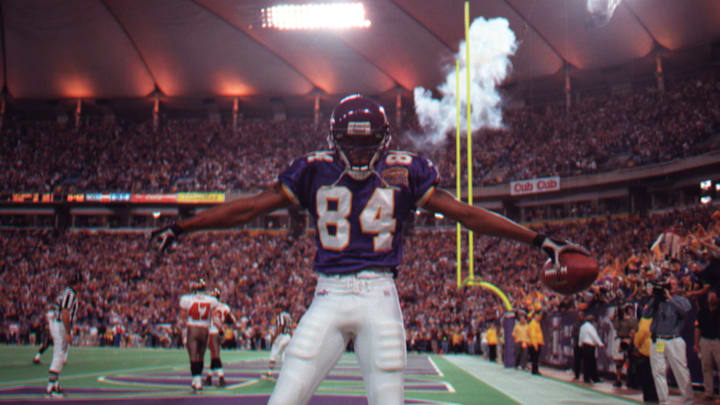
{"points": [[483, 221], [226, 215], [238, 211], [478, 219]]}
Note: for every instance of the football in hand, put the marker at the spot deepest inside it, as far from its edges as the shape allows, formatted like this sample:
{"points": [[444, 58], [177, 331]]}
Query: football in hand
{"points": [[575, 272]]}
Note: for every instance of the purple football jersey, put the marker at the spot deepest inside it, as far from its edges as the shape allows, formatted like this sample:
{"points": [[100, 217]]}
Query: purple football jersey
{"points": [[359, 223]]}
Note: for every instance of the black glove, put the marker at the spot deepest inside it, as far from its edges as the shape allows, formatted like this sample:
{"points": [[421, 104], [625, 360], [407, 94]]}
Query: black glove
{"points": [[161, 238], [554, 247]]}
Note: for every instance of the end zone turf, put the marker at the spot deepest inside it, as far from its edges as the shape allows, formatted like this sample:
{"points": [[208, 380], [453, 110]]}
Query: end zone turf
{"points": [[143, 376]]}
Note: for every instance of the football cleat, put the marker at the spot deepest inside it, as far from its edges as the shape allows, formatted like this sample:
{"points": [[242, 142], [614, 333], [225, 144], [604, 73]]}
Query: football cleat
{"points": [[222, 382], [208, 380], [359, 134], [55, 392]]}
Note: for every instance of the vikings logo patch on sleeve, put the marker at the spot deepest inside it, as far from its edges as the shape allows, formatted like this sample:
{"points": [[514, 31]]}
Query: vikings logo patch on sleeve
{"points": [[396, 176]]}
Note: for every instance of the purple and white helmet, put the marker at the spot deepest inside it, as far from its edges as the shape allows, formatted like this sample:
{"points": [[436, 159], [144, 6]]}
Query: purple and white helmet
{"points": [[360, 134]]}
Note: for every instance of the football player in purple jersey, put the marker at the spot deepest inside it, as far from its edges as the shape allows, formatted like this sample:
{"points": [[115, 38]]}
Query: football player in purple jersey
{"points": [[359, 194]]}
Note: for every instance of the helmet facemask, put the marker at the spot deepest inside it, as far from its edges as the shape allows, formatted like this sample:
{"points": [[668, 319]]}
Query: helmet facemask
{"points": [[360, 135]]}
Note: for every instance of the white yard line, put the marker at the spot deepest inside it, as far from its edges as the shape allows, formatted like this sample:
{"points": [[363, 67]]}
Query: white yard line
{"points": [[532, 390]]}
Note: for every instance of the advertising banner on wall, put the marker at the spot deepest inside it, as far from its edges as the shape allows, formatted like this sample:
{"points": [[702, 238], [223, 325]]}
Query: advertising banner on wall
{"points": [[33, 197], [107, 197], [195, 198], [153, 198], [534, 186]]}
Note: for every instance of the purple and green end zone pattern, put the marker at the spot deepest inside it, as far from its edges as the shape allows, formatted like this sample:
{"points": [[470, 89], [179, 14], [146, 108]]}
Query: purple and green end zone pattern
{"points": [[162, 376], [142, 376]]}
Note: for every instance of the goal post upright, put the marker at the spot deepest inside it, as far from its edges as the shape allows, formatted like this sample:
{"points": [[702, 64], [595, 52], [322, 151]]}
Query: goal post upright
{"points": [[468, 103], [470, 279], [458, 172]]}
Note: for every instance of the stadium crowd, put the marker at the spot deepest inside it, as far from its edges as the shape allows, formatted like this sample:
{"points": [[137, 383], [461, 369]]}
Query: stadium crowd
{"points": [[131, 296], [600, 133], [136, 291]]}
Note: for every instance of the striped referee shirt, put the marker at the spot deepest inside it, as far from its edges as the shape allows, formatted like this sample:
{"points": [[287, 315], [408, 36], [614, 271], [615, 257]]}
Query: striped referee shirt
{"points": [[283, 322], [67, 300]]}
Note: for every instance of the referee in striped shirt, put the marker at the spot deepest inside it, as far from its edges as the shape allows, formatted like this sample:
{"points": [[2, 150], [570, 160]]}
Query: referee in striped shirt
{"points": [[60, 320]]}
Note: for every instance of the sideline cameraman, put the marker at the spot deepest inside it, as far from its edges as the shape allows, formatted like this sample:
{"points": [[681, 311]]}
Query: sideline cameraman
{"points": [[668, 310]]}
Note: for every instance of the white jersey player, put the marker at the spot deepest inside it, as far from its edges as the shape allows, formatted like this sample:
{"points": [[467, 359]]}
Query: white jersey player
{"points": [[60, 318], [283, 327], [221, 314], [196, 310]]}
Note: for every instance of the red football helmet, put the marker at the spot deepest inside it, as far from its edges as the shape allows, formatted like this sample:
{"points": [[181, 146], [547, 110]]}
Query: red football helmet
{"points": [[359, 133]]}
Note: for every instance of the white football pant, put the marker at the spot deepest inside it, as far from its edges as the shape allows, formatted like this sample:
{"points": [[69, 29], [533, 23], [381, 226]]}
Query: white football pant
{"points": [[277, 352], [363, 306], [60, 344]]}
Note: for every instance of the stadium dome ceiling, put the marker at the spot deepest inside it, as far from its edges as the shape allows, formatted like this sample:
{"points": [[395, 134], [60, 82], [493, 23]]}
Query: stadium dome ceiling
{"points": [[116, 49]]}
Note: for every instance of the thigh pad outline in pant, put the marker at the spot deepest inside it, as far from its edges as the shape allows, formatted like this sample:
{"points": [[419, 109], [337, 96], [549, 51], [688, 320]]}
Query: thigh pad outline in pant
{"points": [[313, 350], [309, 334], [390, 341]]}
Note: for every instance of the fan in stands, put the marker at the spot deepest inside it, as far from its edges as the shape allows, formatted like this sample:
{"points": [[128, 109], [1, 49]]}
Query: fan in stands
{"points": [[575, 272]]}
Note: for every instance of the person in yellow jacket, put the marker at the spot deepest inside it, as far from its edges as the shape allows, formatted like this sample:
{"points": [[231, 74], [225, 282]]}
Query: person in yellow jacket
{"points": [[491, 336], [521, 339], [536, 341], [641, 342]]}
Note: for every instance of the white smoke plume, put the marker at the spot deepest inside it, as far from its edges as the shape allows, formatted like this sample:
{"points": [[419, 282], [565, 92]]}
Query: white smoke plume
{"points": [[492, 42]]}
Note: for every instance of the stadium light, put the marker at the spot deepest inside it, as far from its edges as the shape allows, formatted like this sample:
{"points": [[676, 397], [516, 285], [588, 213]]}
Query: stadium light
{"points": [[705, 200], [705, 185], [315, 16], [600, 12]]}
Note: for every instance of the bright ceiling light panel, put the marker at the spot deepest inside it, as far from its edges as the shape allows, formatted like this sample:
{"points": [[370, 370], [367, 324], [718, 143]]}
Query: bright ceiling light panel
{"points": [[315, 16]]}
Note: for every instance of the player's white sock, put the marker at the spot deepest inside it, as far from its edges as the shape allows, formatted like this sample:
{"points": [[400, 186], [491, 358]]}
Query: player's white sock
{"points": [[197, 381], [220, 373]]}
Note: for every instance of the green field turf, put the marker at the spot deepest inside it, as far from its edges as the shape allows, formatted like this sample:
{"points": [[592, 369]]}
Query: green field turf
{"points": [[163, 374], [88, 365]]}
